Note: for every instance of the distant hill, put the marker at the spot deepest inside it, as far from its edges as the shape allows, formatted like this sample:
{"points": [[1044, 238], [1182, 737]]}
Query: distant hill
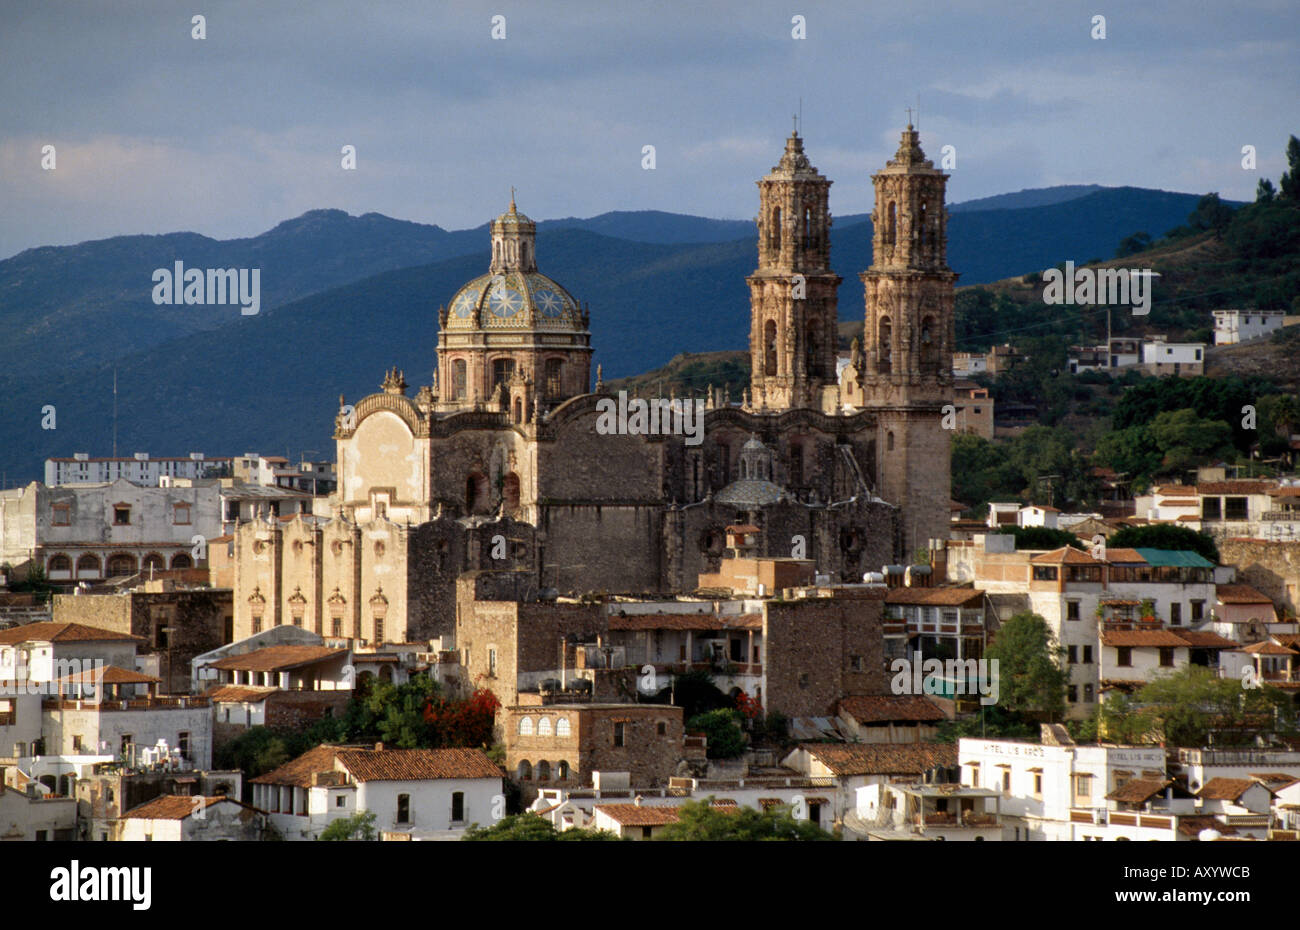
{"points": [[1030, 197], [346, 297]]}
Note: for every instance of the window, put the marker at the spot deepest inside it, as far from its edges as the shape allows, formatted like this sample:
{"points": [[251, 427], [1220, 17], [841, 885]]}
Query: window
{"points": [[458, 807], [76, 744], [562, 727], [128, 742], [1175, 614], [661, 728], [459, 379], [561, 771], [503, 369], [1006, 779], [121, 515], [340, 801], [1038, 783], [619, 734], [544, 726], [181, 514], [1071, 610], [1166, 657], [379, 631], [975, 774], [62, 515], [647, 833], [1087, 655], [1210, 508], [1234, 508], [1072, 694], [1083, 787], [403, 808], [1087, 694], [492, 663], [183, 744], [1045, 573], [1198, 610], [525, 726], [1072, 655], [855, 663], [1124, 656]]}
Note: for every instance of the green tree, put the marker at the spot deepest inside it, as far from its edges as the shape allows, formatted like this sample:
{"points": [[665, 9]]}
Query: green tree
{"points": [[1188, 440], [1042, 537], [529, 827], [1194, 706], [721, 727], [358, 827], [1264, 191], [700, 821], [1131, 245], [1031, 680], [1211, 213], [1165, 536], [1290, 181]]}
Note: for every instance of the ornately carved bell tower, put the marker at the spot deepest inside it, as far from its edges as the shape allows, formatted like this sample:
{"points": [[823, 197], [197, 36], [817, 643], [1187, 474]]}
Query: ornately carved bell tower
{"points": [[908, 340], [792, 338]]}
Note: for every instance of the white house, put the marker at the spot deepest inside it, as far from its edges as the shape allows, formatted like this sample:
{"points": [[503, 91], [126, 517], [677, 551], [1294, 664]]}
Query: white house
{"points": [[422, 793], [1234, 326], [177, 818]]}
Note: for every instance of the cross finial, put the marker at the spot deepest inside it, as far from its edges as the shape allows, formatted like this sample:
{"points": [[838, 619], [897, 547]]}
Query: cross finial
{"points": [[794, 118], [512, 198], [909, 117]]}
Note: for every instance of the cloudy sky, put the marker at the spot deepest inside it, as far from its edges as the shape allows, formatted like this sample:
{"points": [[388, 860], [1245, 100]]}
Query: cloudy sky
{"points": [[157, 132]]}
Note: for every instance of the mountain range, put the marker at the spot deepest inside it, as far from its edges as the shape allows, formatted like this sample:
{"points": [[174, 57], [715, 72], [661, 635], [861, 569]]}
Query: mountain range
{"points": [[345, 297]]}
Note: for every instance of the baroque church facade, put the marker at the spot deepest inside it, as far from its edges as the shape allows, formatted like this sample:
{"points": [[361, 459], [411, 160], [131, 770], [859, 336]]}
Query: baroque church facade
{"points": [[499, 464]]}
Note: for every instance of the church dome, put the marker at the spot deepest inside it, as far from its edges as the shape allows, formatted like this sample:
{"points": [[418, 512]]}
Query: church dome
{"points": [[514, 300]]}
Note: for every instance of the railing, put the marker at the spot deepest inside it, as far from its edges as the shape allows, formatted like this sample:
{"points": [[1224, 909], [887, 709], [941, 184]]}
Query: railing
{"points": [[1280, 515], [155, 703]]}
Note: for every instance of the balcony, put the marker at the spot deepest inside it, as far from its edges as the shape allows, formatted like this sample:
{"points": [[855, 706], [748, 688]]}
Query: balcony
{"points": [[153, 703]]}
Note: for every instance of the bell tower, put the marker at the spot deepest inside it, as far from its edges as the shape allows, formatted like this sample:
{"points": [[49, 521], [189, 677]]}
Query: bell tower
{"points": [[908, 339], [792, 293]]}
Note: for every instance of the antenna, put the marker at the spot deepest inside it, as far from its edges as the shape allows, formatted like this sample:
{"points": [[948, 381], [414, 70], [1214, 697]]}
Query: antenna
{"points": [[114, 411], [801, 112]]}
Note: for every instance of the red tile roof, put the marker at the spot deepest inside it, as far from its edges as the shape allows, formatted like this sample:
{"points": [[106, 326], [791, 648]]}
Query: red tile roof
{"points": [[239, 694], [644, 815], [298, 772], [1239, 486], [1225, 789], [1066, 555], [177, 807], [1240, 594], [1204, 639], [882, 758], [1267, 648], [937, 597], [62, 633], [109, 675], [1139, 790], [1129, 638], [417, 764], [883, 708]]}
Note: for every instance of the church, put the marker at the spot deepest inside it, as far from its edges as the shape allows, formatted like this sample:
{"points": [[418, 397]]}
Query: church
{"points": [[499, 464]]}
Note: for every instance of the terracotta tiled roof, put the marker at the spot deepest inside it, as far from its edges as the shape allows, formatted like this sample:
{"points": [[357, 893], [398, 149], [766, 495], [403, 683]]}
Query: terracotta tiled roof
{"points": [[1175, 490], [1225, 789], [1204, 639], [1285, 492], [883, 708], [239, 694], [1240, 486], [1066, 555], [1164, 638], [276, 658], [62, 633], [417, 764], [1275, 780], [177, 807], [298, 772], [936, 597], [1240, 594], [743, 528], [645, 815], [109, 675], [1124, 556], [882, 758], [1192, 826], [1268, 648], [1139, 790]]}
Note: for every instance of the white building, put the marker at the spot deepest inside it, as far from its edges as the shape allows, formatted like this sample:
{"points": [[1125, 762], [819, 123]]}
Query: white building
{"points": [[1177, 358], [425, 794], [1234, 326], [140, 468], [185, 818]]}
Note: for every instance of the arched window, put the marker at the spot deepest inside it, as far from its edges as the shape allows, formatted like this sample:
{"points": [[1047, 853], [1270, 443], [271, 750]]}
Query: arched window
{"points": [[543, 771], [812, 340], [809, 237], [503, 369], [510, 491], [920, 227], [459, 379], [120, 564], [774, 232], [59, 563], [525, 726], [554, 377], [476, 492], [929, 344], [769, 347], [885, 348], [519, 410], [153, 562], [561, 771], [525, 770], [889, 441], [562, 729], [181, 560], [88, 566], [543, 729], [796, 464], [891, 223]]}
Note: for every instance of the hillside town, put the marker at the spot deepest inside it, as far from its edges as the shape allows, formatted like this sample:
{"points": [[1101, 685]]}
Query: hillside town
{"points": [[494, 612]]}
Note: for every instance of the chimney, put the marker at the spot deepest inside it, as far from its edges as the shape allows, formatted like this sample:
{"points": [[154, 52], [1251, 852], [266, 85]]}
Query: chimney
{"points": [[379, 747], [637, 800]]}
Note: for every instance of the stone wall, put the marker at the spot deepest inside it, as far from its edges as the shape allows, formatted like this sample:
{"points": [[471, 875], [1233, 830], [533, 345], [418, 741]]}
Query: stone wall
{"points": [[819, 650], [1272, 568]]}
